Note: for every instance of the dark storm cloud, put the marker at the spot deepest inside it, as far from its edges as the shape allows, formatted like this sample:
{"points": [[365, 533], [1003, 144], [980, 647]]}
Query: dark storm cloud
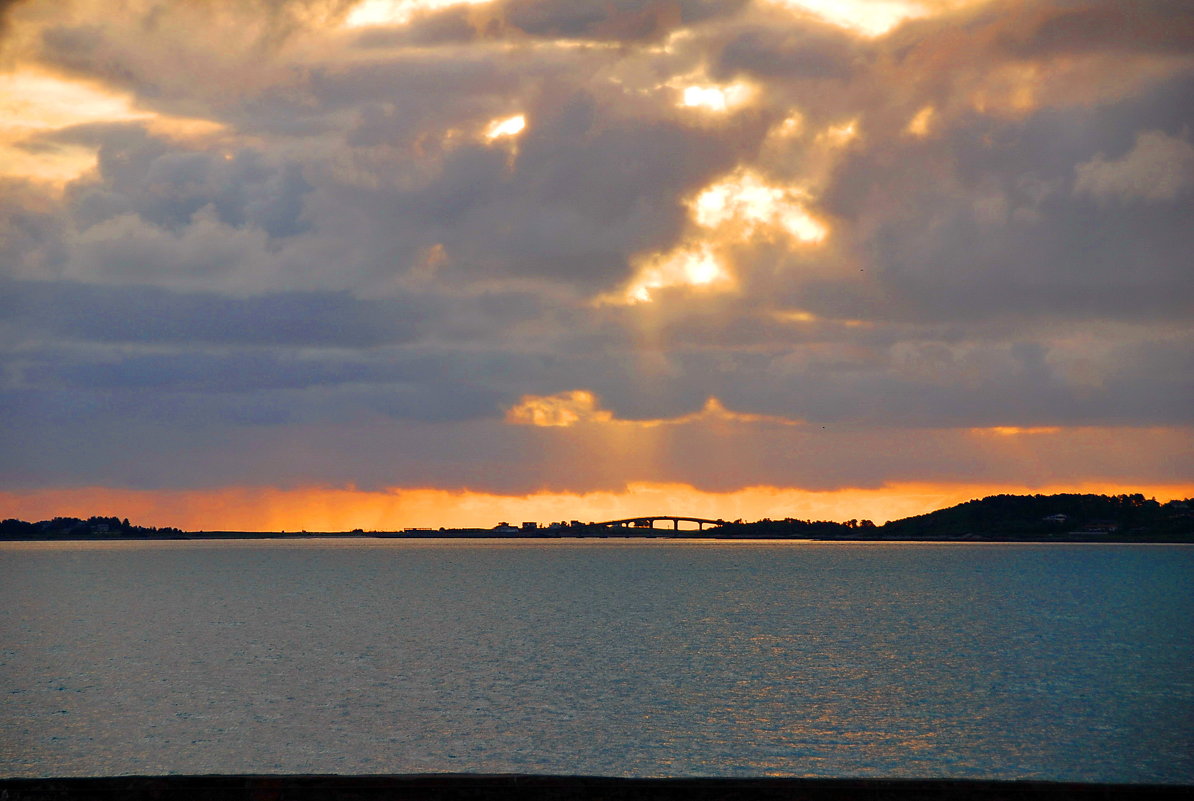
{"points": [[1049, 28], [490, 456], [6, 7], [586, 191], [196, 59], [141, 314], [619, 20], [451, 26], [244, 388], [1009, 238], [459, 79], [624, 21], [1068, 28], [919, 385], [166, 184], [580, 204], [108, 411], [770, 53], [243, 370], [32, 228]]}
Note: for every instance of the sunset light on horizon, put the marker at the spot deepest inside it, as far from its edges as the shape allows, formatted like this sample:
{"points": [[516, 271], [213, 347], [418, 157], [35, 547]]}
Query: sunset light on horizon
{"points": [[329, 509]]}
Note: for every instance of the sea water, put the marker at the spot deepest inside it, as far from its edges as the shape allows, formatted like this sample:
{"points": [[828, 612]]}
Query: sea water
{"points": [[598, 657]]}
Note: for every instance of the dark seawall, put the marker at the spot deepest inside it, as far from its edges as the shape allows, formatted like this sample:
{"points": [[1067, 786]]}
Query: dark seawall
{"points": [[559, 788]]}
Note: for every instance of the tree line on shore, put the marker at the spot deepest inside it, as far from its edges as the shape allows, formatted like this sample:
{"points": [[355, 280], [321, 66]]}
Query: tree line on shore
{"points": [[1124, 518], [74, 528]]}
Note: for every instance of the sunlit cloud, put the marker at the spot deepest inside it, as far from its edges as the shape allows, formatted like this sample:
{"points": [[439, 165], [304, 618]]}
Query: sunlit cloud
{"points": [[801, 316], [868, 17], [33, 103], [557, 411], [872, 18], [836, 136], [746, 199], [696, 267], [790, 126], [719, 98], [729, 210], [921, 123], [577, 406], [370, 13], [714, 411], [506, 126], [53, 165]]}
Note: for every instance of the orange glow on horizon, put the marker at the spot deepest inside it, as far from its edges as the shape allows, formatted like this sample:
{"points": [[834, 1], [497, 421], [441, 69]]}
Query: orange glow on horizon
{"points": [[1012, 431], [344, 509]]}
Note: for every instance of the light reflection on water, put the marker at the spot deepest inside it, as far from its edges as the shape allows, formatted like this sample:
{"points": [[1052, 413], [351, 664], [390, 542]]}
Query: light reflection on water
{"points": [[598, 657]]}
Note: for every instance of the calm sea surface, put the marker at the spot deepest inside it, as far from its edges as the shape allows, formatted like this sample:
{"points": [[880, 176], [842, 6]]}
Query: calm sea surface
{"points": [[641, 658]]}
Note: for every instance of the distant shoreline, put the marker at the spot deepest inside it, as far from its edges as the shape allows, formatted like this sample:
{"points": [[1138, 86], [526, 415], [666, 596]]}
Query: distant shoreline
{"points": [[997, 518], [465, 534]]}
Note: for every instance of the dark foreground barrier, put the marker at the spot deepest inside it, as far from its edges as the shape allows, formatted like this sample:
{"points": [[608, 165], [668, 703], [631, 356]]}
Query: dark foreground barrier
{"points": [[561, 788]]}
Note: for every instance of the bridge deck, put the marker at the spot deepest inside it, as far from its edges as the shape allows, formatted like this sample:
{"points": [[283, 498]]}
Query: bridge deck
{"points": [[676, 520]]}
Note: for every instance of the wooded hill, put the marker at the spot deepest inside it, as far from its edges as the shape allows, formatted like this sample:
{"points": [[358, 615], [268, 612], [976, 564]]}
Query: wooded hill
{"points": [[1114, 516], [1118, 518]]}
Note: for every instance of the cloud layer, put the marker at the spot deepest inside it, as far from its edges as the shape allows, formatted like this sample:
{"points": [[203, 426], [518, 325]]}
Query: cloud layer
{"points": [[539, 244]]}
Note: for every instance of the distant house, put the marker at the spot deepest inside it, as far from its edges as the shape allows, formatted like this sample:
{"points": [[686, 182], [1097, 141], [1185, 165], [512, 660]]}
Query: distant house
{"points": [[1057, 518], [504, 528]]}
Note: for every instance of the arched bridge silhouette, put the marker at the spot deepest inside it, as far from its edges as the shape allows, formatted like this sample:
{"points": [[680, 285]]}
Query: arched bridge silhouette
{"points": [[649, 522]]}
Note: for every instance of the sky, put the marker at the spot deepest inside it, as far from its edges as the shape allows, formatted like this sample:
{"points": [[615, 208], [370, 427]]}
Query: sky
{"points": [[327, 264]]}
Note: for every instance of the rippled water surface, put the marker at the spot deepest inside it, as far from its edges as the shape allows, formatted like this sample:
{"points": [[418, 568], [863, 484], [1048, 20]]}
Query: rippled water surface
{"points": [[645, 658]]}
